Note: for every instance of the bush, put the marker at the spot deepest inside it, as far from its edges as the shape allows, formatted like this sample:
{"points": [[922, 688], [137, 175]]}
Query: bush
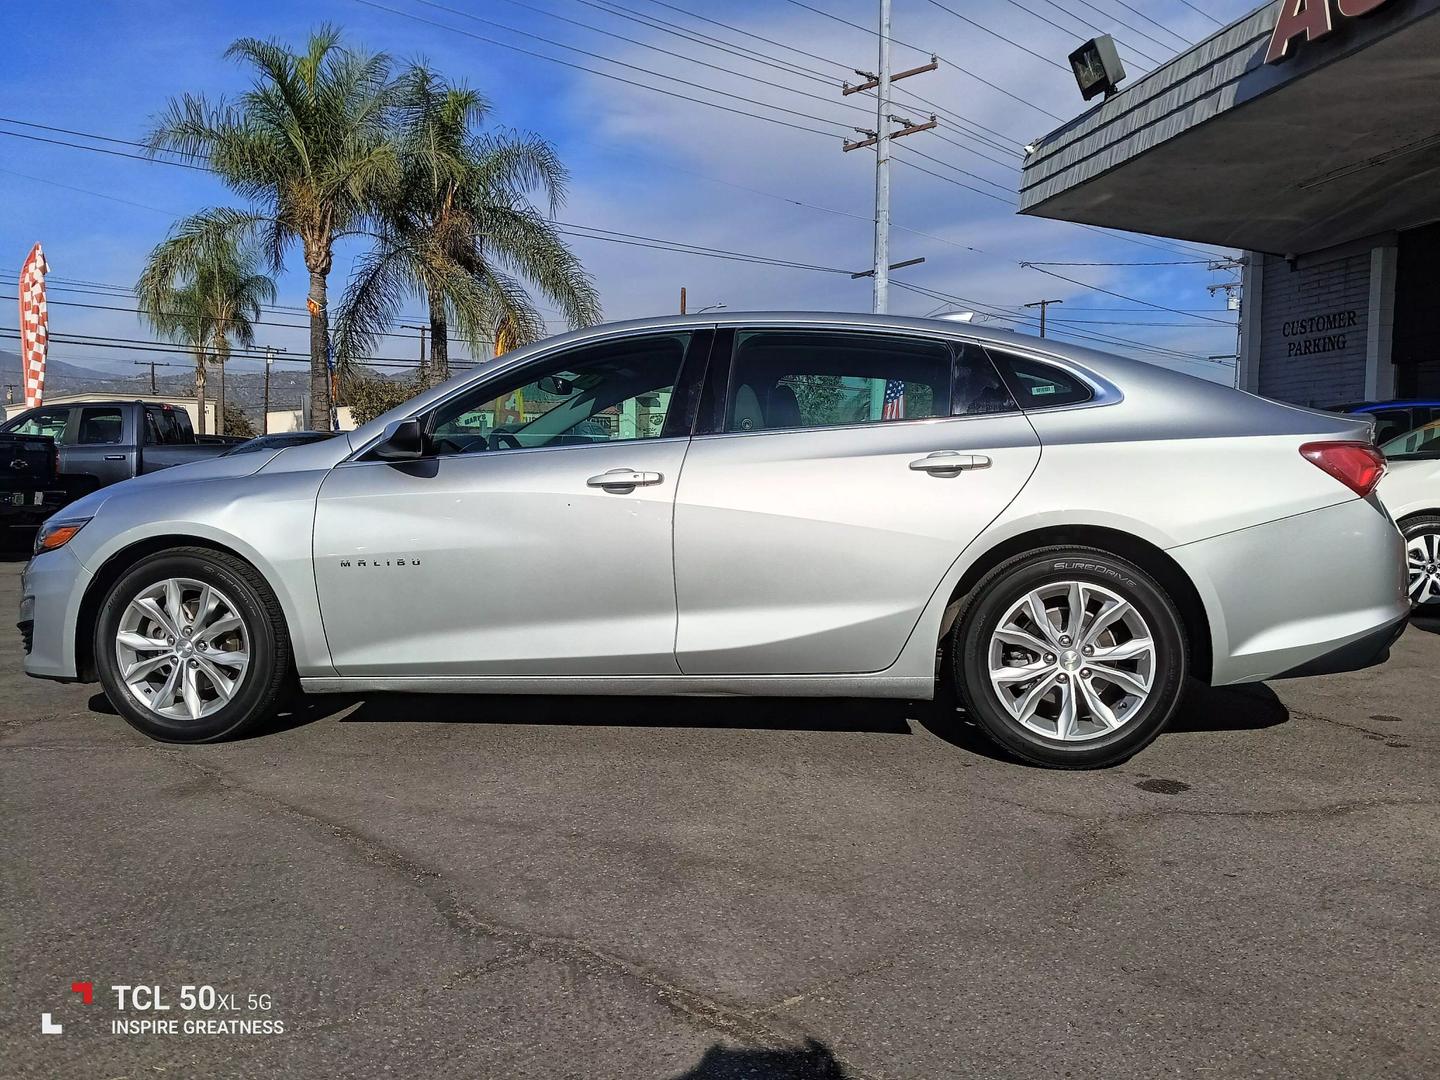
{"points": [[368, 394]]}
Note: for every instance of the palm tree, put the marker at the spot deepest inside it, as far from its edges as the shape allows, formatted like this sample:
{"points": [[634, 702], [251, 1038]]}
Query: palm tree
{"points": [[213, 303], [458, 229], [308, 146]]}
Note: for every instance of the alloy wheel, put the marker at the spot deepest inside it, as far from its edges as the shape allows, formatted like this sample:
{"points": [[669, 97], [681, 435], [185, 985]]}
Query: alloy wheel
{"points": [[1422, 554], [1072, 660], [182, 649]]}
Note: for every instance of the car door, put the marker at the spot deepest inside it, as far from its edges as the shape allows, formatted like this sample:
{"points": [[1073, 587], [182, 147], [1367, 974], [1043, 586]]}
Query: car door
{"points": [[535, 537], [840, 483], [99, 447]]}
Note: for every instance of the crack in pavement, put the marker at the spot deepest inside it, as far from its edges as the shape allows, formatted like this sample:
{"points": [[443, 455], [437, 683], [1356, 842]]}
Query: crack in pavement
{"points": [[700, 1010]]}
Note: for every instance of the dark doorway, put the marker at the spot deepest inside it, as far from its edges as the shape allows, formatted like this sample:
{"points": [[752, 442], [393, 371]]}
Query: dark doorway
{"points": [[1416, 348]]}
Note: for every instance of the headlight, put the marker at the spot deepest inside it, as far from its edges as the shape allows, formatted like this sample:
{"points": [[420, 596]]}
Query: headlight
{"points": [[56, 534]]}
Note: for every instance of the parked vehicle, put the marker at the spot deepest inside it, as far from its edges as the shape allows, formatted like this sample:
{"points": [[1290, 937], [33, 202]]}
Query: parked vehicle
{"points": [[30, 489], [784, 505], [1411, 492], [279, 440], [1393, 417], [103, 442]]}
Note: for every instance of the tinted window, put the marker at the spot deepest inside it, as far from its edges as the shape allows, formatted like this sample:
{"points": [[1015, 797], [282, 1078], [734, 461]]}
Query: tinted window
{"points": [[1391, 422], [99, 427], [600, 393], [50, 422], [1036, 385], [805, 379], [152, 428], [978, 389]]}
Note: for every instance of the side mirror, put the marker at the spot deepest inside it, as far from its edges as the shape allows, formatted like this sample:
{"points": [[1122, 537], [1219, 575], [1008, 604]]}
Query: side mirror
{"points": [[403, 440]]}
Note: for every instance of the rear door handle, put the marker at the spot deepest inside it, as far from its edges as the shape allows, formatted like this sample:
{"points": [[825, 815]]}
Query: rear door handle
{"points": [[114, 457], [623, 481], [950, 461]]}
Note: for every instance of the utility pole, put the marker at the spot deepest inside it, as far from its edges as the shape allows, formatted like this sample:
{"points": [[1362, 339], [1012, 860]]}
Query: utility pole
{"points": [[682, 299], [1043, 305], [880, 81], [422, 373], [154, 389], [220, 412], [1234, 301], [265, 413]]}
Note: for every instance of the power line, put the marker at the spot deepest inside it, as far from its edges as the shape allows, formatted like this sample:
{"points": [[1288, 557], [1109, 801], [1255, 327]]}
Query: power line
{"points": [[605, 74], [1082, 22], [958, 67], [620, 63], [1121, 296], [1006, 315], [1202, 11], [1156, 22], [87, 191], [1000, 36]]}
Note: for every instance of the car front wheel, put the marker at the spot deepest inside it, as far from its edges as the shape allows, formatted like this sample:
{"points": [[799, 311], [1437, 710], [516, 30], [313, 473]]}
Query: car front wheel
{"points": [[1070, 657], [191, 646]]}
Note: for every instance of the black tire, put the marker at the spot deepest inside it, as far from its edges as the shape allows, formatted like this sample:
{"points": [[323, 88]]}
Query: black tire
{"points": [[270, 669], [1010, 582], [1427, 525]]}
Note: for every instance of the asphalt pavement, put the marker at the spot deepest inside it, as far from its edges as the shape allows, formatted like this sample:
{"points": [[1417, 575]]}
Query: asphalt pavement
{"points": [[609, 888]]}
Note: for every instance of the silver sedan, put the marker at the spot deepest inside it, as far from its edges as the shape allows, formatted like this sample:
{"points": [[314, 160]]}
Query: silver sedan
{"points": [[754, 504]]}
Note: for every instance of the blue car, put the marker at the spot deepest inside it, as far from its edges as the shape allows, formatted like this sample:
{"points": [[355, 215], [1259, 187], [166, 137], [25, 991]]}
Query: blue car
{"points": [[1393, 417]]}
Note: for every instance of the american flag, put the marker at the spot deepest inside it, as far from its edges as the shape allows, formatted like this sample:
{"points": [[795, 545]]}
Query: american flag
{"points": [[34, 327], [894, 407]]}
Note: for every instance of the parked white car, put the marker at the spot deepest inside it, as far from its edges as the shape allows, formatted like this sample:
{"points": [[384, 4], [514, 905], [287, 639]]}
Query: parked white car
{"points": [[1411, 492]]}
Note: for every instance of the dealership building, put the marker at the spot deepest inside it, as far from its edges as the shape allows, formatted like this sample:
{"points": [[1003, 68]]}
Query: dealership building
{"points": [[1306, 134]]}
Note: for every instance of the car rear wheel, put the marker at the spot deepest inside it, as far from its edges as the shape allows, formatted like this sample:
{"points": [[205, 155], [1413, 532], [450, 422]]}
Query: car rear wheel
{"points": [[1070, 657], [191, 646], [1422, 558]]}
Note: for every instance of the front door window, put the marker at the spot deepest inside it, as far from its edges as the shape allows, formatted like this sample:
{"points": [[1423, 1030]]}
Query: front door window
{"points": [[620, 390]]}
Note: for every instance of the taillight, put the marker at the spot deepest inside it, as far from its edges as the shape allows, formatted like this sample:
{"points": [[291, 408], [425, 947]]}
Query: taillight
{"points": [[1357, 465]]}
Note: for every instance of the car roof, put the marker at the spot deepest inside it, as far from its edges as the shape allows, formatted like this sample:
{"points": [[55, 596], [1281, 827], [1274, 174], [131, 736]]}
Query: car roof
{"points": [[1405, 403]]}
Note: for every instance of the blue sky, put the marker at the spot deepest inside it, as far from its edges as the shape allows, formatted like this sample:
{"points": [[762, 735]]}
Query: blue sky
{"points": [[641, 162]]}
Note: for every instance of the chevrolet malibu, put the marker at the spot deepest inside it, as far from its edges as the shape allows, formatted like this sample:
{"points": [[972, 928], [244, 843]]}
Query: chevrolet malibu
{"points": [[762, 504]]}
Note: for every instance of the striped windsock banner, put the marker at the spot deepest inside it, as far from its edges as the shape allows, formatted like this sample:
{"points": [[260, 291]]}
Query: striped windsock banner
{"points": [[34, 330]]}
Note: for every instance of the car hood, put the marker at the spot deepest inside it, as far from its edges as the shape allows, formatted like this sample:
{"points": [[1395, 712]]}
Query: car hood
{"points": [[216, 468]]}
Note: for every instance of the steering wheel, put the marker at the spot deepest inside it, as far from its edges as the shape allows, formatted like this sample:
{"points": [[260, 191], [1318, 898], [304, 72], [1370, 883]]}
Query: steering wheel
{"points": [[504, 440], [466, 445]]}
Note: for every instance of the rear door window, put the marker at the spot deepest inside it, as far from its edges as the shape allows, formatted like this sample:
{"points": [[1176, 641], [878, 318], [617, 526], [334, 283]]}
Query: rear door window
{"points": [[788, 379], [100, 426]]}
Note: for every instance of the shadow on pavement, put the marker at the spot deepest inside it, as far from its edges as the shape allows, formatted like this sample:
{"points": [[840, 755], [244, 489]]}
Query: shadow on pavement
{"points": [[1245, 708], [1429, 624], [781, 714], [813, 1061]]}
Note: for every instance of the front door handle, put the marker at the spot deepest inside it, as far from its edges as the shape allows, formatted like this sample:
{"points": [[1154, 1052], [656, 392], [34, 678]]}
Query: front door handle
{"points": [[114, 457], [624, 481], [949, 463]]}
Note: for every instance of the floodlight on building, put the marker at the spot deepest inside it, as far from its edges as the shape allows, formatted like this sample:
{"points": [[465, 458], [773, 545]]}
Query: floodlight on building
{"points": [[1097, 67]]}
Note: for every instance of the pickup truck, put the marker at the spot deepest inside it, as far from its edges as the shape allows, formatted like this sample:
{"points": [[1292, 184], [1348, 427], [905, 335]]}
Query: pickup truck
{"points": [[103, 442], [30, 488]]}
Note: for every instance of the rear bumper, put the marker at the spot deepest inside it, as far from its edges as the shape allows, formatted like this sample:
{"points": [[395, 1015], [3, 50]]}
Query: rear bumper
{"points": [[1312, 594], [1367, 651]]}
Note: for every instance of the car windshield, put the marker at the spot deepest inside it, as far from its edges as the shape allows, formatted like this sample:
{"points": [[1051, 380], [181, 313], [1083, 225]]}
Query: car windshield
{"points": [[1423, 442]]}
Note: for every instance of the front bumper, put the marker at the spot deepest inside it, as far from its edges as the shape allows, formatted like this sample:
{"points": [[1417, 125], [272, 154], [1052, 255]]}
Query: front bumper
{"points": [[1312, 594], [51, 589]]}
